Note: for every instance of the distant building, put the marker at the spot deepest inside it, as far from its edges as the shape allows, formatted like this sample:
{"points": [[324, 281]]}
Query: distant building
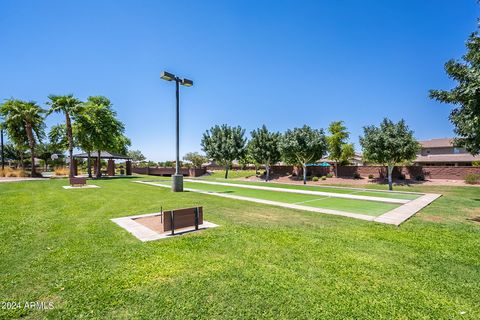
{"points": [[357, 160], [442, 152]]}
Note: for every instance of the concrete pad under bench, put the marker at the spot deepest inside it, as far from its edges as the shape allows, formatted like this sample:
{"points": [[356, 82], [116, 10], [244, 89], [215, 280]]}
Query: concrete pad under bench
{"points": [[147, 227]]}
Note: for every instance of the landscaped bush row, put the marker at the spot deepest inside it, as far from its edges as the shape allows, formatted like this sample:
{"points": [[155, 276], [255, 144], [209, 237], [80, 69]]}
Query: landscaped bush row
{"points": [[61, 171], [9, 172], [318, 177], [472, 178]]}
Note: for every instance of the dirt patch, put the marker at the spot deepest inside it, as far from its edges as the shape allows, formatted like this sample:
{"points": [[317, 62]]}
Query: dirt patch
{"points": [[433, 218], [154, 223], [475, 219]]}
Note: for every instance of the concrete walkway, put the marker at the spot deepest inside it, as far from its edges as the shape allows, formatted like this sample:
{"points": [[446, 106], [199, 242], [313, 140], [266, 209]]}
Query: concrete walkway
{"points": [[300, 191], [15, 179], [399, 215]]}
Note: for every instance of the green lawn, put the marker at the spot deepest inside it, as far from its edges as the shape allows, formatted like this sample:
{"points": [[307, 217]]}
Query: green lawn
{"points": [[262, 262], [232, 174]]}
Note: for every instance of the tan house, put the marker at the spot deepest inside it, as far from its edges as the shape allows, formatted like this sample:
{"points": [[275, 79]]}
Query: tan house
{"points": [[357, 160], [442, 152]]}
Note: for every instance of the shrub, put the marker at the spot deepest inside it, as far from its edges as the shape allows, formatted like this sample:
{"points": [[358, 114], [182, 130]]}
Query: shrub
{"points": [[315, 179], [472, 178], [356, 175], [61, 171], [420, 177], [324, 178], [370, 176], [329, 175], [401, 176], [9, 172]]}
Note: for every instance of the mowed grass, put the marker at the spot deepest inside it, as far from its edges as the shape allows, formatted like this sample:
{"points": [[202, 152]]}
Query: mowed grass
{"points": [[262, 262], [232, 174], [348, 205]]}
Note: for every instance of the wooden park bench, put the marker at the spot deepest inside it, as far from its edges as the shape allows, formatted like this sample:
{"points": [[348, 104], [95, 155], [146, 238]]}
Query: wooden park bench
{"points": [[78, 181], [174, 219]]}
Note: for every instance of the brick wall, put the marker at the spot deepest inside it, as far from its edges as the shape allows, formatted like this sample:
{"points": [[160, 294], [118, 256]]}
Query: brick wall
{"points": [[410, 172], [169, 171], [443, 172]]}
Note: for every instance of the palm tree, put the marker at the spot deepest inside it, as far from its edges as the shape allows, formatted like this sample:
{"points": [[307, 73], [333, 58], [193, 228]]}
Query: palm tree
{"points": [[24, 122], [69, 106]]}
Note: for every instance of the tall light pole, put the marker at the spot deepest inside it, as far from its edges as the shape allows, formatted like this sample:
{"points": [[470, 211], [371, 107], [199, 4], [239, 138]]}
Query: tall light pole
{"points": [[177, 178]]}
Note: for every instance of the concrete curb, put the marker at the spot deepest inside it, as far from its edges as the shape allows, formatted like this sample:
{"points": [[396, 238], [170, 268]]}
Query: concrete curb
{"points": [[399, 215]]}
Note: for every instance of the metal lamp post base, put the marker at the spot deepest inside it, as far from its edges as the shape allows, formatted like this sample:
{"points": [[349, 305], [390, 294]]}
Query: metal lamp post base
{"points": [[177, 183]]}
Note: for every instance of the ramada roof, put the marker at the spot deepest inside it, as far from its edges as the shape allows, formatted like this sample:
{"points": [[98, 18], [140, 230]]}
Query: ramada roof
{"points": [[437, 143], [103, 155], [462, 157]]}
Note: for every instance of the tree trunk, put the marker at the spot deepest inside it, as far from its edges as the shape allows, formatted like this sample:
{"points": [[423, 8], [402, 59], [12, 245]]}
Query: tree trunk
{"points": [[267, 168], [70, 143], [99, 165], [89, 165], [304, 174], [336, 169], [46, 164], [34, 171], [31, 143], [390, 183], [226, 171], [20, 155]]}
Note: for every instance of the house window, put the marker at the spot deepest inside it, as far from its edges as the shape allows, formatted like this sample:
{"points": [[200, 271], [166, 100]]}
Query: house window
{"points": [[456, 150]]}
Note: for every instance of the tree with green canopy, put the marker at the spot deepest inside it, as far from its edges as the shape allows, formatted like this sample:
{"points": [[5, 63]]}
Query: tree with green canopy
{"points": [[69, 106], [465, 116], [24, 123], [338, 149], [57, 137], [264, 148], [45, 150], [302, 146], [389, 144], [247, 159], [83, 130], [105, 131], [11, 153], [224, 144], [120, 144], [196, 159], [136, 155]]}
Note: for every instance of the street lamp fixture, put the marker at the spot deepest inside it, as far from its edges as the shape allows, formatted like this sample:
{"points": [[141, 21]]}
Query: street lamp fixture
{"points": [[187, 83], [167, 76], [177, 178]]}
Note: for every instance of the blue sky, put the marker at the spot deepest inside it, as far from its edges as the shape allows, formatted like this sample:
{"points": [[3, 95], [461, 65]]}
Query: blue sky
{"points": [[279, 63]]}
